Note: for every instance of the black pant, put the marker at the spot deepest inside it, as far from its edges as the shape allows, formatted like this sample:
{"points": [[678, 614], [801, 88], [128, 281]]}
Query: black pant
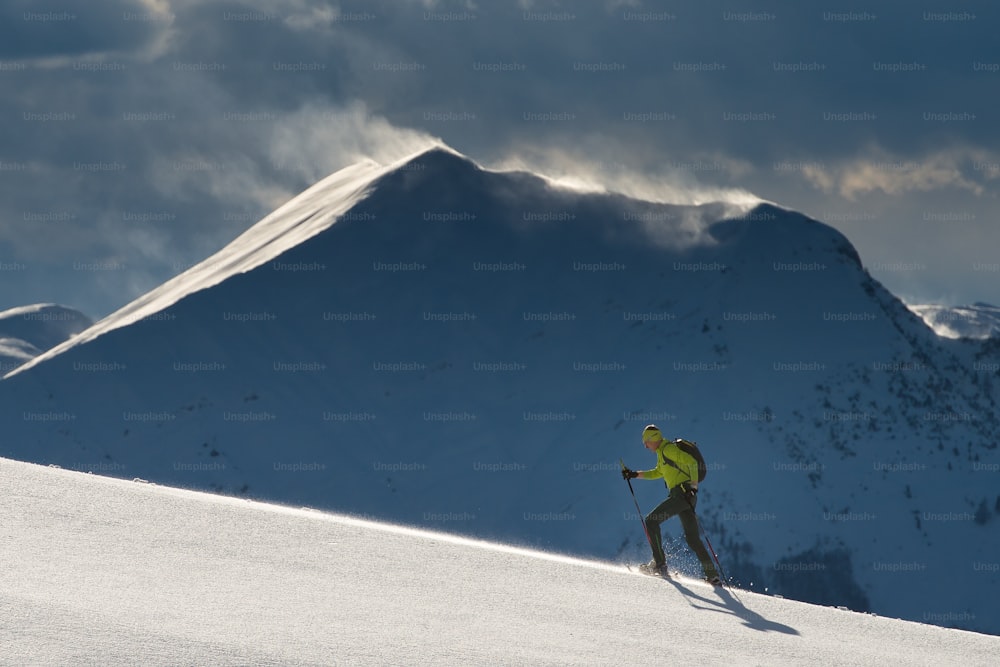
{"points": [[677, 505]]}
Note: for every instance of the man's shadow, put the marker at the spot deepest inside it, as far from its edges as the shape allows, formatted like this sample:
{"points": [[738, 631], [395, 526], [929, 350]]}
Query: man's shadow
{"points": [[731, 605]]}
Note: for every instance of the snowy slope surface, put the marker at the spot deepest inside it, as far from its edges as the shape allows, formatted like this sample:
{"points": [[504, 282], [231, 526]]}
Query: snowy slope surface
{"points": [[105, 571], [431, 343]]}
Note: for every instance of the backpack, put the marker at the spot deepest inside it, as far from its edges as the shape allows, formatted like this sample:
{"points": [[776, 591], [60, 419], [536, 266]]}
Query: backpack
{"points": [[691, 449]]}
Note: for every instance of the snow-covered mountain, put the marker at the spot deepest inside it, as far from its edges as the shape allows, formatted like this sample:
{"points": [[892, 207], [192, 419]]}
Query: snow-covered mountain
{"points": [[980, 320], [437, 344], [27, 331], [105, 571]]}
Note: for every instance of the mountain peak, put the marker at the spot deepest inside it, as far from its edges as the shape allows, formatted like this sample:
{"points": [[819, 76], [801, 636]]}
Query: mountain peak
{"points": [[439, 164], [438, 154], [439, 159], [491, 331]]}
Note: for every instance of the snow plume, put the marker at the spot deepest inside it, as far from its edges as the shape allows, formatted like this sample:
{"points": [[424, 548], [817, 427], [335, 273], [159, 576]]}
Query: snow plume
{"points": [[288, 152], [315, 141], [978, 321], [670, 185]]}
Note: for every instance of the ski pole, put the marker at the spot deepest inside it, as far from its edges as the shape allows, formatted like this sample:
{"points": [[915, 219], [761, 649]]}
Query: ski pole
{"points": [[714, 555], [711, 549], [644, 529]]}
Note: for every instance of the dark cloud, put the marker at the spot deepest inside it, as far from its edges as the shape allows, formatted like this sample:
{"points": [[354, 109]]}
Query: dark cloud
{"points": [[149, 133], [48, 29]]}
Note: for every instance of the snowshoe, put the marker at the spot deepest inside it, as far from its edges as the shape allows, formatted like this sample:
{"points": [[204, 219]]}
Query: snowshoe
{"points": [[655, 570]]}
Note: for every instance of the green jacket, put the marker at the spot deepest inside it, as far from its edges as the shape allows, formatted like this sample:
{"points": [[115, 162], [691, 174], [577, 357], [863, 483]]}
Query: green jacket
{"points": [[682, 467]]}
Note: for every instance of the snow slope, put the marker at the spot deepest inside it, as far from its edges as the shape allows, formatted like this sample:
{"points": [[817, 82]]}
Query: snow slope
{"points": [[435, 344], [105, 571], [27, 331]]}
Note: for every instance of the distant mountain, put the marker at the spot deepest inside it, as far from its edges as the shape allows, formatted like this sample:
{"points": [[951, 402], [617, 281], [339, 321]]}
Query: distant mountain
{"points": [[438, 344], [980, 320], [27, 331]]}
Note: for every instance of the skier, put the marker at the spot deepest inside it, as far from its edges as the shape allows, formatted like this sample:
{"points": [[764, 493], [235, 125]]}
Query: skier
{"points": [[679, 472]]}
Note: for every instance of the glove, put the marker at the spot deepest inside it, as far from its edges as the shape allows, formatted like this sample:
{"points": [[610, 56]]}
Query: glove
{"points": [[629, 474], [690, 492]]}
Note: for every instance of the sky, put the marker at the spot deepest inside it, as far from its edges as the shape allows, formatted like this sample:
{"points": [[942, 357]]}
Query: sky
{"points": [[140, 136]]}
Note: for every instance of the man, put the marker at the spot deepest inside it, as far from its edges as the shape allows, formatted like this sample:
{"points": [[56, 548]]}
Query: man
{"points": [[679, 471]]}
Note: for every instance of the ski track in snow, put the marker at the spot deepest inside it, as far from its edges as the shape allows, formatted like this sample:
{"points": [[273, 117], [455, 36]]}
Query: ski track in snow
{"points": [[105, 571]]}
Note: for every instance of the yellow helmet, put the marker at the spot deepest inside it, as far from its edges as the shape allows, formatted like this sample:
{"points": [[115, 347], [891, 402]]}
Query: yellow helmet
{"points": [[652, 434]]}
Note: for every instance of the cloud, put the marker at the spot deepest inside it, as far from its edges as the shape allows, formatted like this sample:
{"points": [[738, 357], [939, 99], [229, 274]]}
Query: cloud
{"points": [[957, 168], [47, 34], [313, 18], [686, 105]]}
